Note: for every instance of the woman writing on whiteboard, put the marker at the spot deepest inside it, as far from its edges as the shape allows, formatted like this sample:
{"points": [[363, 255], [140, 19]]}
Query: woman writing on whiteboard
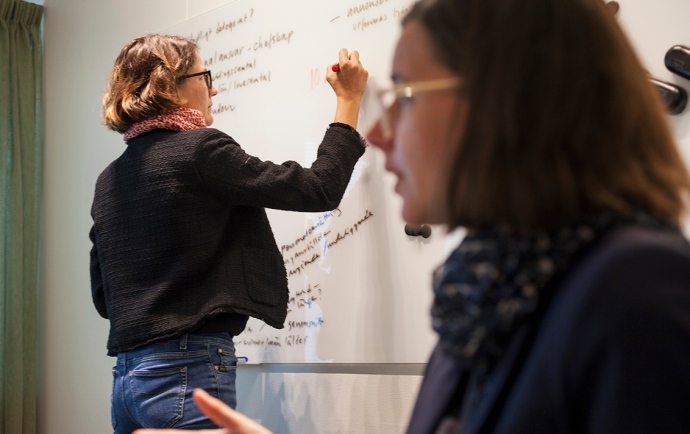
{"points": [[566, 308], [182, 250]]}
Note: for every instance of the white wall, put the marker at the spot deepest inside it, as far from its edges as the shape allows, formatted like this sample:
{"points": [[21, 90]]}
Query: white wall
{"points": [[82, 39]]}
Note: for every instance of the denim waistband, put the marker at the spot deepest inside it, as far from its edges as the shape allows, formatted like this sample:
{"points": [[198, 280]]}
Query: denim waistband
{"points": [[186, 342]]}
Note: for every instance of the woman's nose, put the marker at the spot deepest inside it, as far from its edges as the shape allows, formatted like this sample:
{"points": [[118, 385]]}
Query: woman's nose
{"points": [[214, 91], [377, 137]]}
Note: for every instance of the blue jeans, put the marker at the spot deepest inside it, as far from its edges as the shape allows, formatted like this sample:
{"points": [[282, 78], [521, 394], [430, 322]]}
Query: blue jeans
{"points": [[152, 385]]}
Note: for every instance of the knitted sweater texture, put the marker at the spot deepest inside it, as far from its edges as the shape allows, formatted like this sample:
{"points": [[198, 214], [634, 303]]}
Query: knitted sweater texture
{"points": [[180, 231]]}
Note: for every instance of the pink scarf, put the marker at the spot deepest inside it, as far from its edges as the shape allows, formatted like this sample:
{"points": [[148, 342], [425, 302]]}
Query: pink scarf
{"points": [[179, 119]]}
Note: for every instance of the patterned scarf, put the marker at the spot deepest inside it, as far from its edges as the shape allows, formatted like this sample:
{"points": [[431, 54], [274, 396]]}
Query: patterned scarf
{"points": [[179, 119], [495, 280]]}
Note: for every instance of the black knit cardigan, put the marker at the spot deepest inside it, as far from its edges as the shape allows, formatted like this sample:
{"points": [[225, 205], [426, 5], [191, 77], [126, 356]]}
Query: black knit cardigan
{"points": [[180, 232]]}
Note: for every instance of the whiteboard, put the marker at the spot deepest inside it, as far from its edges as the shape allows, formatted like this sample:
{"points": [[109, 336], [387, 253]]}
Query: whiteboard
{"points": [[360, 288]]}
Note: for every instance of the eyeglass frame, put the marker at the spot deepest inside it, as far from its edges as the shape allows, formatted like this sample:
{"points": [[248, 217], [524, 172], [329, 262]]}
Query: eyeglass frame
{"points": [[207, 77], [407, 90]]}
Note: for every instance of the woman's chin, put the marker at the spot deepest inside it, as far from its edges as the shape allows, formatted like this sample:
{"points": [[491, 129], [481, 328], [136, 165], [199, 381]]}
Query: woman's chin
{"points": [[411, 216], [416, 216]]}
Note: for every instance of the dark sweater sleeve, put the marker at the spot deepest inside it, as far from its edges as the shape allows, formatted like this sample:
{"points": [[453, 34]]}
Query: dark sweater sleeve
{"points": [[238, 178], [97, 291]]}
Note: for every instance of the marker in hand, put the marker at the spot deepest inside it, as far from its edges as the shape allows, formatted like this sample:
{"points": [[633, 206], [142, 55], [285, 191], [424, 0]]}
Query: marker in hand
{"points": [[335, 68]]}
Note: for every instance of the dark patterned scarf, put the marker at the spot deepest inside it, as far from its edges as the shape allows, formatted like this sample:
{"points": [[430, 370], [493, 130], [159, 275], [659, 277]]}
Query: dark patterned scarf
{"points": [[495, 280]]}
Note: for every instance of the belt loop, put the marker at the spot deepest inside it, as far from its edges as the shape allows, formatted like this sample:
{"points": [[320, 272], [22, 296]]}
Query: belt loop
{"points": [[183, 342]]}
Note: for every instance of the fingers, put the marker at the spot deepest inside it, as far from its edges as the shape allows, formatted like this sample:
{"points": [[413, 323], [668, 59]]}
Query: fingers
{"points": [[179, 431], [215, 409], [347, 60], [231, 421], [350, 69], [225, 416], [343, 56]]}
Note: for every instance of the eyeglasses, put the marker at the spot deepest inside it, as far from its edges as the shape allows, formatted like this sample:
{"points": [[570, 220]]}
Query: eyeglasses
{"points": [[384, 109], [206, 74]]}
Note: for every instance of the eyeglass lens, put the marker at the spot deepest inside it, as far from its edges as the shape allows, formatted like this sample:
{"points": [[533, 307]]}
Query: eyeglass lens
{"points": [[207, 77]]}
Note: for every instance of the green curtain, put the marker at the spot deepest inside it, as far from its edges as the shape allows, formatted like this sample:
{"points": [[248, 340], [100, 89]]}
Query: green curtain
{"points": [[21, 151]]}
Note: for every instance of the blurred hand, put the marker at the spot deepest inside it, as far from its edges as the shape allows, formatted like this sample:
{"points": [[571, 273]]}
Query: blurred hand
{"points": [[232, 421], [351, 79]]}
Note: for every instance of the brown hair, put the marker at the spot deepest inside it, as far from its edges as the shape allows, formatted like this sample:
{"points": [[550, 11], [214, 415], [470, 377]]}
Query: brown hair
{"points": [[144, 80], [563, 122]]}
